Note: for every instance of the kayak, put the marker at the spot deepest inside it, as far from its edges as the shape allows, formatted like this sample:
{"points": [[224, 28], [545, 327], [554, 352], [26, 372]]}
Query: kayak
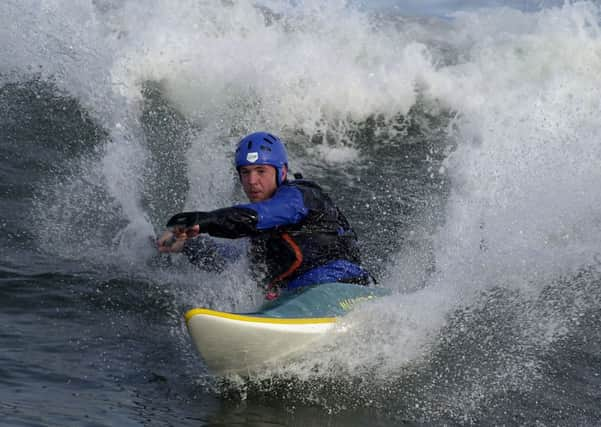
{"points": [[241, 343]]}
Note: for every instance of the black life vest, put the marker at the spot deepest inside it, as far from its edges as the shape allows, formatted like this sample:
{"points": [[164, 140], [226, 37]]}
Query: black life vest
{"points": [[324, 235]]}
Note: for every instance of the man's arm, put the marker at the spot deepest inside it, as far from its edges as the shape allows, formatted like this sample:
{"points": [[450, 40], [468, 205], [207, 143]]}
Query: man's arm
{"points": [[284, 208], [209, 255]]}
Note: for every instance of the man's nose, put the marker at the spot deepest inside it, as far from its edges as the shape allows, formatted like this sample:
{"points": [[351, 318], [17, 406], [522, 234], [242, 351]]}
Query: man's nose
{"points": [[252, 177]]}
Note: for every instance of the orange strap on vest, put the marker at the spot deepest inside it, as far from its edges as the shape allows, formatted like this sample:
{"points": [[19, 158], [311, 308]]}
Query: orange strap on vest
{"points": [[272, 288]]}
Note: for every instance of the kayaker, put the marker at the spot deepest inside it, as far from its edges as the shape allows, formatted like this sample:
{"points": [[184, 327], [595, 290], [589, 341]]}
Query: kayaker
{"points": [[298, 236]]}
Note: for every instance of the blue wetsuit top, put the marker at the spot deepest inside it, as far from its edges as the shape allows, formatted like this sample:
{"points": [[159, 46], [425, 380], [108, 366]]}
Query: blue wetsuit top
{"points": [[299, 236]]}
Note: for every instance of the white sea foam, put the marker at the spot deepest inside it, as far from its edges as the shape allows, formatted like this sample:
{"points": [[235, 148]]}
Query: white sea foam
{"points": [[524, 174], [524, 207]]}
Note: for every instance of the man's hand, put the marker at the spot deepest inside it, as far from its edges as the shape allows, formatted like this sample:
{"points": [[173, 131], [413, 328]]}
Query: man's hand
{"points": [[173, 241]]}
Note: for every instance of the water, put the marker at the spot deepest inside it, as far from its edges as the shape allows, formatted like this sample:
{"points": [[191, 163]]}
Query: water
{"points": [[465, 151]]}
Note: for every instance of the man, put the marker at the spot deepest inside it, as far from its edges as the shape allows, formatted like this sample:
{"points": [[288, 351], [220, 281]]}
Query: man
{"points": [[298, 236]]}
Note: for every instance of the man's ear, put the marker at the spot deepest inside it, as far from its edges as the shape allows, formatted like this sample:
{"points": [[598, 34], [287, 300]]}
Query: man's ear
{"points": [[284, 173]]}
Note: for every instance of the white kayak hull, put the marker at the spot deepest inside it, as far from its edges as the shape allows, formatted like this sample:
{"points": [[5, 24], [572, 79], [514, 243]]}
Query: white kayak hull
{"points": [[244, 343], [231, 343]]}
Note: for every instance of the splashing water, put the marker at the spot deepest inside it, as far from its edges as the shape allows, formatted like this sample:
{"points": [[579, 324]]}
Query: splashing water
{"points": [[513, 145]]}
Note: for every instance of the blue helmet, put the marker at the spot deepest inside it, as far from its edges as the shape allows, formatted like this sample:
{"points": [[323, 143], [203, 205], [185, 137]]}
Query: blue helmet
{"points": [[262, 148]]}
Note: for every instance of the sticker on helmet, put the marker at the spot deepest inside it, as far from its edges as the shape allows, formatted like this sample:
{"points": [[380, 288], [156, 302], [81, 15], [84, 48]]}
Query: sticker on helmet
{"points": [[252, 157]]}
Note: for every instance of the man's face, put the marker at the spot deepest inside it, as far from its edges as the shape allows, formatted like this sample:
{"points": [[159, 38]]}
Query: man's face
{"points": [[258, 181]]}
